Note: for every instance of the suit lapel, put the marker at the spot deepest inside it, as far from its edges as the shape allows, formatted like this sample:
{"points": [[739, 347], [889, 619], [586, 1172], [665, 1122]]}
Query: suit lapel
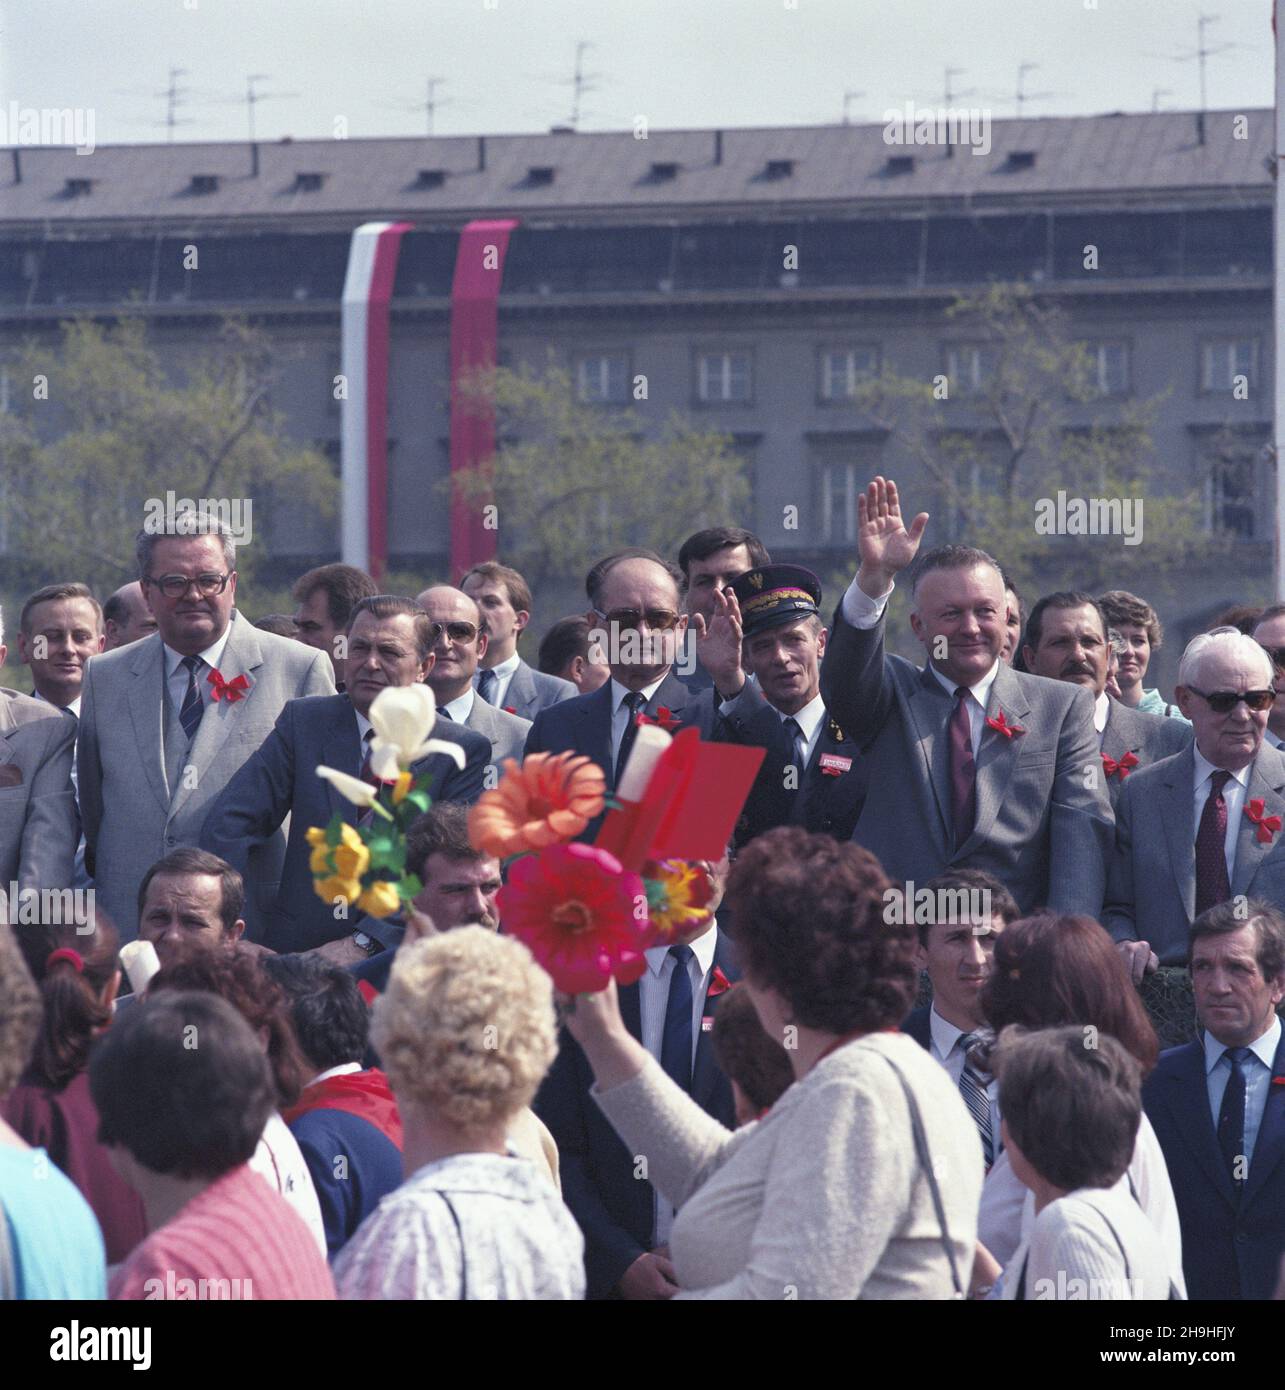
{"points": [[631, 1010], [593, 738], [521, 691], [1269, 1147], [929, 711], [1266, 783], [341, 749], [7, 725], [147, 713], [997, 755], [1118, 736], [1175, 815], [1186, 1092], [705, 1071]]}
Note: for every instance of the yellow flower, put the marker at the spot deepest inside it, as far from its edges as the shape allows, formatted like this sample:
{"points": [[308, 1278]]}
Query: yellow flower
{"points": [[351, 861], [330, 890], [315, 835], [319, 860], [380, 899], [404, 780], [349, 835]]}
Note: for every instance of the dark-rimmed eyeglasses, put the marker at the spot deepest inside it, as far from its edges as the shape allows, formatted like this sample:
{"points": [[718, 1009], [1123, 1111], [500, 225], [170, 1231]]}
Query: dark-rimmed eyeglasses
{"points": [[457, 631], [176, 585], [1224, 701], [631, 619]]}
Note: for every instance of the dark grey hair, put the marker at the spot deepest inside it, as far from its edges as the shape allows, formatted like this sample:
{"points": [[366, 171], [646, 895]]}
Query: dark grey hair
{"points": [[185, 523]]}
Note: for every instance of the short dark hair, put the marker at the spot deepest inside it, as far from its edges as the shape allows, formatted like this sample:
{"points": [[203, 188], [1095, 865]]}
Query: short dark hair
{"points": [[1267, 921], [442, 829], [747, 1054], [1120, 606], [518, 590], [1273, 610], [807, 915], [715, 538], [1072, 1103], [281, 624], [1245, 617], [331, 1020], [395, 606], [187, 859], [1003, 904], [345, 586], [187, 524], [597, 576], [178, 1109], [953, 557], [115, 609], [567, 639], [1063, 598], [58, 591], [1050, 970]]}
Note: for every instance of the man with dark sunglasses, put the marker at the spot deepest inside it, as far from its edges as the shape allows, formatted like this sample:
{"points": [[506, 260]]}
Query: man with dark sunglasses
{"points": [[1203, 826], [459, 644], [167, 721]]}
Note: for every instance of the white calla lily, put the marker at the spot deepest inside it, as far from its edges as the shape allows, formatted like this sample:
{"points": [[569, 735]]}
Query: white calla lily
{"points": [[352, 789], [403, 717]]}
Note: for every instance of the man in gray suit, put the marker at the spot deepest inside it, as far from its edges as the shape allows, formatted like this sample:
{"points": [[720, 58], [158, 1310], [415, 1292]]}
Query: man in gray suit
{"points": [[166, 721], [459, 644], [1203, 826], [39, 828], [971, 763], [1067, 640], [503, 679]]}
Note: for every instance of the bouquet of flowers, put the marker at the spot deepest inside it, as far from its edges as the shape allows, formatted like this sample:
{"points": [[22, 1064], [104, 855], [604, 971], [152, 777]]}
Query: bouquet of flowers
{"points": [[364, 866]]}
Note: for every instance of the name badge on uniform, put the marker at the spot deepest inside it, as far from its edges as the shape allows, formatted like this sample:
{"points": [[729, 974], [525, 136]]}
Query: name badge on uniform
{"points": [[834, 764]]}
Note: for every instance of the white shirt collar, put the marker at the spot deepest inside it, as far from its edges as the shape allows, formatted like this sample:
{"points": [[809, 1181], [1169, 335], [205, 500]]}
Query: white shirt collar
{"points": [[808, 717], [618, 692], [74, 706], [507, 667], [459, 709], [703, 949], [1205, 770], [1264, 1047], [944, 1033], [212, 655], [343, 1069], [363, 725], [1101, 712], [981, 692]]}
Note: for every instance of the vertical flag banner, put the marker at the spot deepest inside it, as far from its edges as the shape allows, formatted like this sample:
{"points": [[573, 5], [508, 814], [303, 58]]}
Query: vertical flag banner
{"points": [[475, 293], [368, 290]]}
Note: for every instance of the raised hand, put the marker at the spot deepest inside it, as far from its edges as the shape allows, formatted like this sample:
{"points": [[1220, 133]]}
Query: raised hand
{"points": [[884, 543], [718, 644]]}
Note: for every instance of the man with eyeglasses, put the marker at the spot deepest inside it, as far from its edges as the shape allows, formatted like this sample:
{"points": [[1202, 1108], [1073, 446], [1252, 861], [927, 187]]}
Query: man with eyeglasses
{"points": [[1203, 826], [459, 644], [390, 643], [1067, 640], [1269, 633], [166, 721], [634, 609]]}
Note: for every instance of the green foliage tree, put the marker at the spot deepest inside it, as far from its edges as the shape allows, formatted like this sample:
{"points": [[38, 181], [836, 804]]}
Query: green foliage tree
{"points": [[572, 481], [117, 426]]}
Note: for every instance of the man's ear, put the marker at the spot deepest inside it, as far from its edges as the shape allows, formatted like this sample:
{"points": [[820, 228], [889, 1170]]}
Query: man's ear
{"points": [[1028, 657], [520, 619], [102, 641], [237, 932], [822, 637], [4, 651], [483, 641], [426, 667]]}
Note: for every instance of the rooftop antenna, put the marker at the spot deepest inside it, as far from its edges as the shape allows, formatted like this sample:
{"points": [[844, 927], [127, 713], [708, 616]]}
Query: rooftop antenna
{"points": [[1200, 53], [848, 98], [581, 83], [250, 100], [1156, 94], [429, 105], [950, 96], [1022, 96]]}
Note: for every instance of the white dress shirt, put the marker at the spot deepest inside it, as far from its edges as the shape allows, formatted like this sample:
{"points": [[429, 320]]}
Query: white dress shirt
{"points": [[1234, 794], [1258, 1079], [863, 612], [459, 709], [503, 675], [944, 1038], [620, 715], [176, 672], [810, 719], [1101, 713], [653, 999]]}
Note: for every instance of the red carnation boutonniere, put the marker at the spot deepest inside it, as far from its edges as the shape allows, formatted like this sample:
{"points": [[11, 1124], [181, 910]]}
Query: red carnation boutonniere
{"points": [[1278, 1080], [1267, 825], [666, 718], [718, 984], [220, 687], [1122, 768], [510, 709], [1001, 725]]}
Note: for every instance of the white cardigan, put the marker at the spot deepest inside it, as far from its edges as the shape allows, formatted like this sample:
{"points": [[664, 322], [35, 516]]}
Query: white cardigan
{"points": [[824, 1196]]}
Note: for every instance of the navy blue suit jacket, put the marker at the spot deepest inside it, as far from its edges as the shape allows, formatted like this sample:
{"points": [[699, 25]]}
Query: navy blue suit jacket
{"points": [[918, 1026], [280, 780], [1231, 1248], [613, 1206]]}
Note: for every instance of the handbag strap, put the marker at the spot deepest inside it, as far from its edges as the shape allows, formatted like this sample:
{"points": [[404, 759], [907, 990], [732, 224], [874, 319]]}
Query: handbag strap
{"points": [[925, 1162], [459, 1235]]}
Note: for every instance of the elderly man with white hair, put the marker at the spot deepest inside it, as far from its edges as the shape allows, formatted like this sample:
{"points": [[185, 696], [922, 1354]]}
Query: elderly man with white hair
{"points": [[1204, 825]]}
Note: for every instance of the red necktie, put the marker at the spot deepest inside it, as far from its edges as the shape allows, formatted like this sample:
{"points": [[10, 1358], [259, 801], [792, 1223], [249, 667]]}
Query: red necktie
{"points": [[1212, 885], [963, 772]]}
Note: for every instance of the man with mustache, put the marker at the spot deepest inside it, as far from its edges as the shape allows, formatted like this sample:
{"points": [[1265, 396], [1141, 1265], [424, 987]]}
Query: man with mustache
{"points": [[1067, 640]]}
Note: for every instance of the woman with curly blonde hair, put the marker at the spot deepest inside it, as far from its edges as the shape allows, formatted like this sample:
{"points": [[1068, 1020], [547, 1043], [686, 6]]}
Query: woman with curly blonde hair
{"points": [[466, 1031]]}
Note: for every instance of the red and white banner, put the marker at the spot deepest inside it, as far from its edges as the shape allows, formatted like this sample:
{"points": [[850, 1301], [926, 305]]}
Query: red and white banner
{"points": [[368, 289]]}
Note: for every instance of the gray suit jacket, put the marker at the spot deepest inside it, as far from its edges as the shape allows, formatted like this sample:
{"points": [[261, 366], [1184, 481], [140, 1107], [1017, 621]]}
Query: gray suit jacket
{"points": [[1151, 886], [39, 829], [530, 691], [1043, 827], [1149, 737], [506, 732], [132, 816]]}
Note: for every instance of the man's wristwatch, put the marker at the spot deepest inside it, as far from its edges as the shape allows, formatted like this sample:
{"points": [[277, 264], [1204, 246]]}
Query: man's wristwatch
{"points": [[366, 943]]}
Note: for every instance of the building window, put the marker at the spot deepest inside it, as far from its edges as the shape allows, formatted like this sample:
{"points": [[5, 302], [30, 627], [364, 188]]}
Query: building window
{"points": [[724, 378], [970, 367], [1108, 368], [1230, 492], [841, 484], [1222, 360], [603, 378], [842, 369]]}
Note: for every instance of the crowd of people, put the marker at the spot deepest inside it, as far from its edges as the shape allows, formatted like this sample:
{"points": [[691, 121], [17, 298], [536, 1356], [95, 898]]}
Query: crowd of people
{"points": [[984, 1004]]}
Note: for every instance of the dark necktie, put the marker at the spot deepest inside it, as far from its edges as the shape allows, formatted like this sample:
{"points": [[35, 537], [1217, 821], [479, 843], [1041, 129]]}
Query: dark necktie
{"points": [[963, 773], [1231, 1118], [365, 814], [487, 683], [676, 1042], [1212, 885], [193, 707], [972, 1086], [798, 747], [635, 700]]}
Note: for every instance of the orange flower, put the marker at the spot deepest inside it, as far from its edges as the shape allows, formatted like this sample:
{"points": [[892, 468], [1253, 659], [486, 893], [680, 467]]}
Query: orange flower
{"points": [[547, 800]]}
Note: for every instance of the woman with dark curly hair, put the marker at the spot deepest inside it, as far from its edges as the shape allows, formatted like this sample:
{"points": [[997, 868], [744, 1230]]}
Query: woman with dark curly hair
{"points": [[1050, 971], [833, 1193]]}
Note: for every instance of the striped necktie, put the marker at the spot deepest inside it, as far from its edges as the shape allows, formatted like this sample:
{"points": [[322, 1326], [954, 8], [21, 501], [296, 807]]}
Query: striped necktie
{"points": [[487, 684], [193, 707], [972, 1087]]}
